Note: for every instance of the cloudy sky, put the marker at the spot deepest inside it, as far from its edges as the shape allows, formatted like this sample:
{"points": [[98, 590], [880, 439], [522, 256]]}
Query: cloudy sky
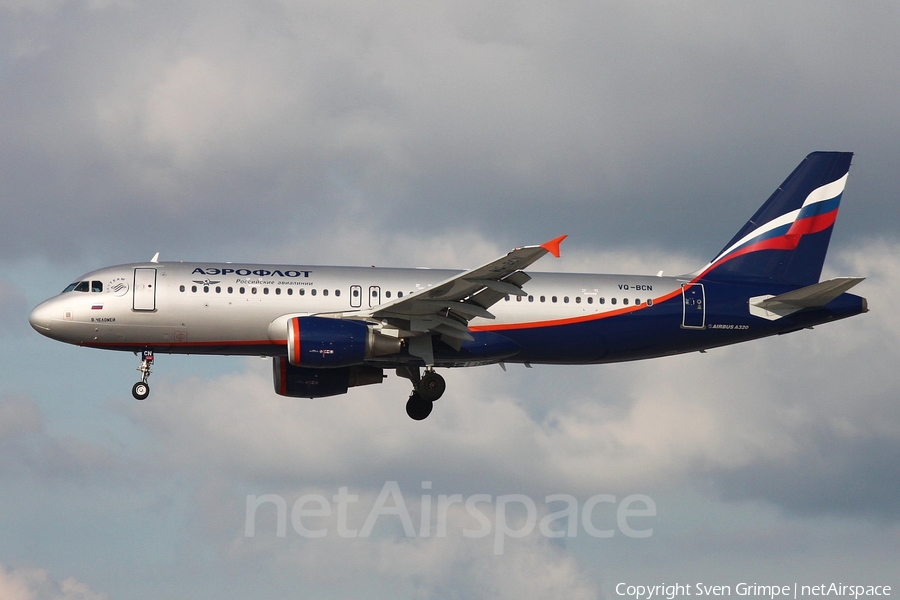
{"points": [[442, 134]]}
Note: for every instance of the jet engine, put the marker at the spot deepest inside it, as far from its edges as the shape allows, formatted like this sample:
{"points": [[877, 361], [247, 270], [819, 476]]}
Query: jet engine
{"points": [[320, 342], [302, 382]]}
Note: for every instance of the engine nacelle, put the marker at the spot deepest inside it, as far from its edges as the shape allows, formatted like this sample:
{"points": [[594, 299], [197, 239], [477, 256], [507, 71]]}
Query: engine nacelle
{"points": [[320, 342], [302, 382]]}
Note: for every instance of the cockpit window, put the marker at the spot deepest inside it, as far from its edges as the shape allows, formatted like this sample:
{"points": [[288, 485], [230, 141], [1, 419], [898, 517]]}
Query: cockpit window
{"points": [[83, 286], [69, 288], [96, 286]]}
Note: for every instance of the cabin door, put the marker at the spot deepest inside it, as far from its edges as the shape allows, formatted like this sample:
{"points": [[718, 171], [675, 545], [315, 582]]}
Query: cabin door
{"points": [[694, 306], [144, 289]]}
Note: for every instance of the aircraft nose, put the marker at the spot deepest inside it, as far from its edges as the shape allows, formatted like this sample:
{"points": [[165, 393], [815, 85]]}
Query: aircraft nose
{"points": [[40, 318]]}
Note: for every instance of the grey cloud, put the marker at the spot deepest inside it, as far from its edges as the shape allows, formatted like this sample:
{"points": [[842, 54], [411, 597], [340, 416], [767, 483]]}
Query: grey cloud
{"points": [[451, 566], [835, 400], [13, 302], [19, 417], [28, 450], [189, 128], [834, 475]]}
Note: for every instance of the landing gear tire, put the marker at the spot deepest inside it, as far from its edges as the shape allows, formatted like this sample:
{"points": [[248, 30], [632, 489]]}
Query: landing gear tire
{"points": [[417, 407], [431, 386], [140, 390]]}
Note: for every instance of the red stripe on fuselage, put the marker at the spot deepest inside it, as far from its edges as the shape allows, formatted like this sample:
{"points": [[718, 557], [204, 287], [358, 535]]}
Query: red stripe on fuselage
{"points": [[158, 344], [573, 320]]}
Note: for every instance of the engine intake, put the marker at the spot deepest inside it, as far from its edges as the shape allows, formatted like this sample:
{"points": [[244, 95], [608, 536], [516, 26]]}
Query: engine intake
{"points": [[320, 342]]}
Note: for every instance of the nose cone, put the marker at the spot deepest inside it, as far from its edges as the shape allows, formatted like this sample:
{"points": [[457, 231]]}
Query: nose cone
{"points": [[40, 318]]}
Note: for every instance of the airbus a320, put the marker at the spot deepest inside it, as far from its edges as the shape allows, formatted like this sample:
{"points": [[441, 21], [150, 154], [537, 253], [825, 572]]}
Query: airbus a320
{"points": [[328, 328]]}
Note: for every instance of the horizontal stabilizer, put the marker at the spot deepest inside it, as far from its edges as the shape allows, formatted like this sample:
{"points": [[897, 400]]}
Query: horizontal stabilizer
{"points": [[811, 296]]}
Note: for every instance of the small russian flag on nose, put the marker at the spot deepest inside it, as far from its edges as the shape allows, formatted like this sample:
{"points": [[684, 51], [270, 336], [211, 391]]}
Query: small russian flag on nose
{"points": [[97, 307]]}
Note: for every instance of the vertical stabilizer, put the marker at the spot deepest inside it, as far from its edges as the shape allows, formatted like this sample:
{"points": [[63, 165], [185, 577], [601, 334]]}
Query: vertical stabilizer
{"points": [[786, 240]]}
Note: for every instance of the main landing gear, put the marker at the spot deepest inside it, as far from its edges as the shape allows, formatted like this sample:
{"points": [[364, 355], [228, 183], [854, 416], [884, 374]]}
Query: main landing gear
{"points": [[427, 388], [142, 389]]}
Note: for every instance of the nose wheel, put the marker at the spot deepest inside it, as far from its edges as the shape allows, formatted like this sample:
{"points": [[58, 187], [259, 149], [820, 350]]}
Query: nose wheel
{"points": [[141, 389], [427, 388]]}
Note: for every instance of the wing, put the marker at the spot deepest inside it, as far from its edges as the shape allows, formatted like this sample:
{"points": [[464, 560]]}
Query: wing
{"points": [[446, 308]]}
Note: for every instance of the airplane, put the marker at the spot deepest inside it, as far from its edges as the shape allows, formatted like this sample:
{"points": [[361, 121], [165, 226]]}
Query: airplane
{"points": [[330, 328]]}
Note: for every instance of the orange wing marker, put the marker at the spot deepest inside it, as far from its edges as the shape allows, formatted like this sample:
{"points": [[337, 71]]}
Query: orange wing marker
{"points": [[553, 245]]}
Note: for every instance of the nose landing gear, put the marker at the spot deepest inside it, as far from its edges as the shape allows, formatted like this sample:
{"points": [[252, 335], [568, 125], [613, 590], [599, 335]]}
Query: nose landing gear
{"points": [[427, 388], [141, 389]]}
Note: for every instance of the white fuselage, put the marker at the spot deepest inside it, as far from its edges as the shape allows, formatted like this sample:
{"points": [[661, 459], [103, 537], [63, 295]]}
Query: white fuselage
{"points": [[243, 308]]}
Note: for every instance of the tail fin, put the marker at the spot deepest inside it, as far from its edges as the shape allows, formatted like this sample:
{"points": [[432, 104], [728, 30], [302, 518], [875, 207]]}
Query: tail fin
{"points": [[786, 240]]}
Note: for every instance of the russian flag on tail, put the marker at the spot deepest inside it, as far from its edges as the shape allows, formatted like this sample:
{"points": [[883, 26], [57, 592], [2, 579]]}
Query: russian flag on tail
{"points": [[786, 240]]}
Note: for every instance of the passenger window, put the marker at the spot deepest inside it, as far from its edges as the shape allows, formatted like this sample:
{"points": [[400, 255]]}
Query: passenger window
{"points": [[612, 300], [290, 291], [338, 292], [543, 298], [577, 299], [230, 290], [590, 299], [649, 301], [399, 294], [531, 298], [83, 286], [181, 288], [518, 298], [277, 291], [266, 291], [602, 300], [566, 299], [96, 286], [325, 292], [312, 292], [553, 298], [243, 290], [356, 293], [387, 294], [253, 290], [194, 288], [302, 292], [218, 289]]}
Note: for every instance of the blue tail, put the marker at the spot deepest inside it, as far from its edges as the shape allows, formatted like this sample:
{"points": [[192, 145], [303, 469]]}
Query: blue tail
{"points": [[786, 240]]}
